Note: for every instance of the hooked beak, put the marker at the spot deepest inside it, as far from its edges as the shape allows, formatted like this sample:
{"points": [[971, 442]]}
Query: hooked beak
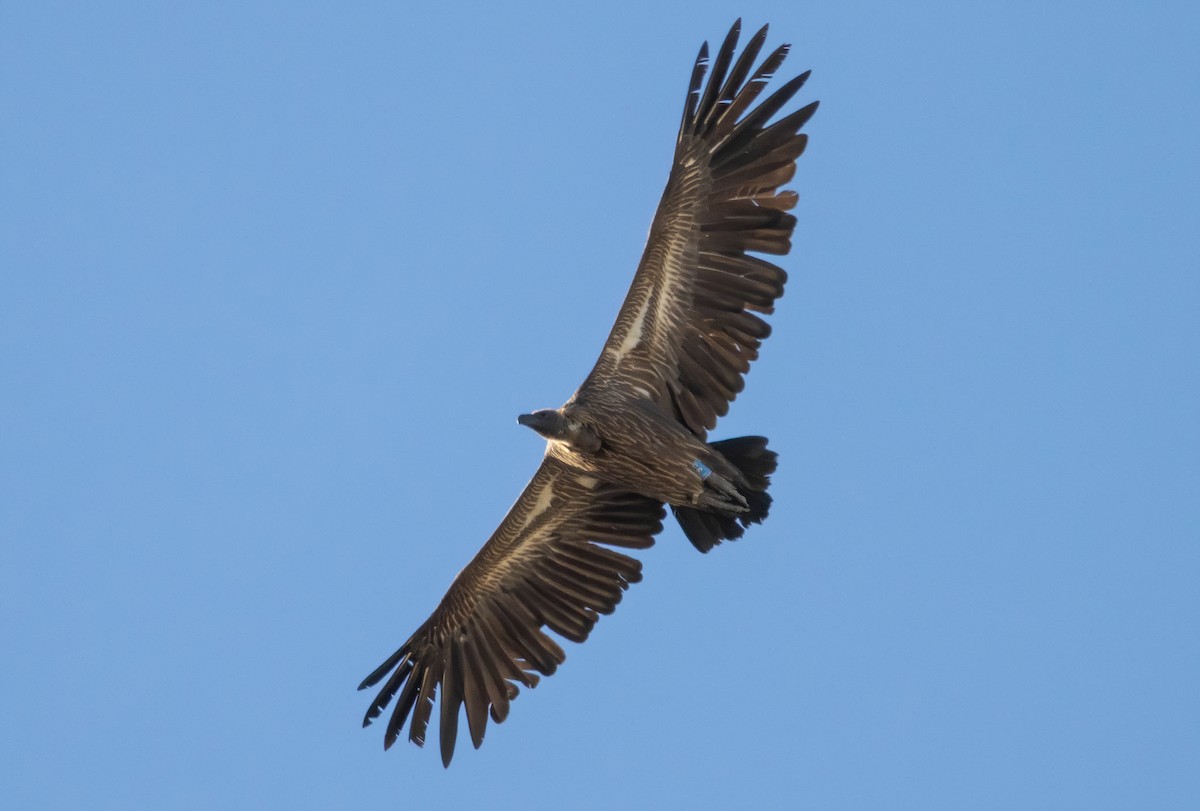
{"points": [[545, 422]]}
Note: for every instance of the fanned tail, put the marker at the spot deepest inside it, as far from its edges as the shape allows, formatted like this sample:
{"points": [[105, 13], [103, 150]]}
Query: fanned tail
{"points": [[750, 455]]}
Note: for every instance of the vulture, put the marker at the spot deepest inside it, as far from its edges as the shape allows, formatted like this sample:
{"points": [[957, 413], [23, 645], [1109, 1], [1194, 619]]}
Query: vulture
{"points": [[634, 436]]}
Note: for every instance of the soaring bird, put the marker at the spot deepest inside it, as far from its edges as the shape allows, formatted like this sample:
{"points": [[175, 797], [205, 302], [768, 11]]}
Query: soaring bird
{"points": [[634, 436]]}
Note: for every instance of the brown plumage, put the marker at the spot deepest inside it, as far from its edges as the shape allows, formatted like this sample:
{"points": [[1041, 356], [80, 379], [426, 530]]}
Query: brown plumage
{"points": [[634, 436]]}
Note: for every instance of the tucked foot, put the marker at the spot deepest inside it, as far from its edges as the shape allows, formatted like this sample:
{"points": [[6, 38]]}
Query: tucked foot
{"points": [[719, 493]]}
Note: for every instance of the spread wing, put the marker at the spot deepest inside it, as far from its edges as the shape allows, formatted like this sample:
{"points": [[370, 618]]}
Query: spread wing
{"points": [[543, 567], [688, 329]]}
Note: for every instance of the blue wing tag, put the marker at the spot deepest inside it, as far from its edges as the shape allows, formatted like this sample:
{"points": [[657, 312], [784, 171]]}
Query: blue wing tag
{"points": [[702, 469]]}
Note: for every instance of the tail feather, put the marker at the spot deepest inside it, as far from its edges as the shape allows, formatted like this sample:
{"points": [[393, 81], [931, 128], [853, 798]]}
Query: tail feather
{"points": [[749, 455]]}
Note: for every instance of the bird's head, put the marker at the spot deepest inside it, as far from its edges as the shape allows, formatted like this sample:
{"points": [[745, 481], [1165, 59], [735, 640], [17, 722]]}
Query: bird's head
{"points": [[549, 422]]}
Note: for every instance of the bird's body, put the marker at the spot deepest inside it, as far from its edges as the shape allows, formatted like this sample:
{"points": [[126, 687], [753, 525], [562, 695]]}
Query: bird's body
{"points": [[634, 436], [639, 448]]}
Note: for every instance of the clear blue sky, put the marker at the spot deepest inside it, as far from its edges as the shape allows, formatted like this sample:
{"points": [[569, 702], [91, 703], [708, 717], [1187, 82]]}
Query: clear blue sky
{"points": [[277, 279]]}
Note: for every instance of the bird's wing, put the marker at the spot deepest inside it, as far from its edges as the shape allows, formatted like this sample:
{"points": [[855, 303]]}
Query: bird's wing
{"points": [[688, 329], [543, 567]]}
